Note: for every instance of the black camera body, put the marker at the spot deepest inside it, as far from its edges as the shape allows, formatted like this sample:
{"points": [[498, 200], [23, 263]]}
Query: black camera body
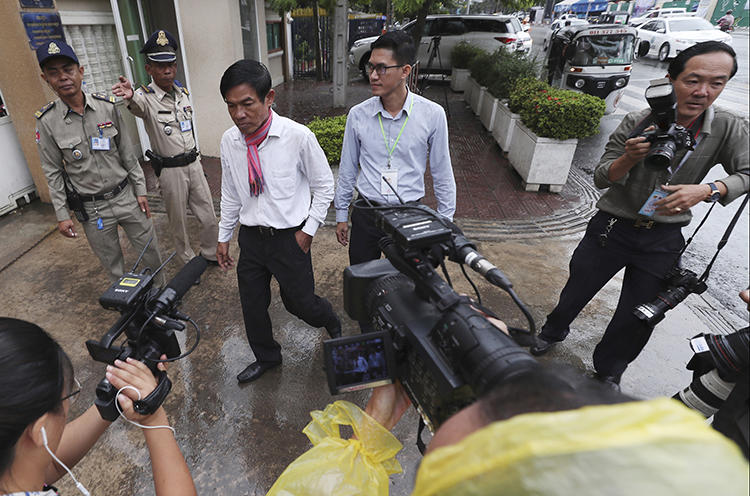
{"points": [[445, 352], [149, 319], [680, 283], [668, 137]]}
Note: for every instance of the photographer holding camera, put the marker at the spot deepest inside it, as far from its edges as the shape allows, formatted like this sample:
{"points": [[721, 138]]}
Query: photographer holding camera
{"points": [[650, 190], [37, 445]]}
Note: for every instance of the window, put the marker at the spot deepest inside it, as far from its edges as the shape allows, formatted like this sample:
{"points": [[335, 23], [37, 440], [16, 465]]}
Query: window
{"points": [[250, 39], [273, 36], [649, 26], [98, 52], [447, 27], [489, 26]]}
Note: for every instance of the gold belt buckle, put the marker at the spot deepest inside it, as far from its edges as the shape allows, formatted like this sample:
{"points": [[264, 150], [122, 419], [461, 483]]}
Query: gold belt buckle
{"points": [[646, 224]]}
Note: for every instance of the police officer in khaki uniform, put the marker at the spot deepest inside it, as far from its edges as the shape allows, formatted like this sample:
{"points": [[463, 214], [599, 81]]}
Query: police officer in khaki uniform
{"points": [[165, 107], [85, 150]]}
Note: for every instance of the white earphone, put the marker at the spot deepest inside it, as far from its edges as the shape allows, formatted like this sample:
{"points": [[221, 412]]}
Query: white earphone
{"points": [[80, 487]]}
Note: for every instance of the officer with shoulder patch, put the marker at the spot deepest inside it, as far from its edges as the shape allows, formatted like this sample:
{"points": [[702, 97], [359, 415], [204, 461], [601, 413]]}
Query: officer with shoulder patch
{"points": [[88, 159], [166, 110]]}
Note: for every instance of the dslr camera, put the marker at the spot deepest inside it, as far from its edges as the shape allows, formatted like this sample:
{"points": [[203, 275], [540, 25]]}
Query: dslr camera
{"points": [[149, 319], [680, 283], [668, 137], [427, 336]]}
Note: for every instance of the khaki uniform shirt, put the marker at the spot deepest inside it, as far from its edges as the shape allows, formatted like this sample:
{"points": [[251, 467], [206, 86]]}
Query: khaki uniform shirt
{"points": [[168, 118], [64, 141], [723, 139]]}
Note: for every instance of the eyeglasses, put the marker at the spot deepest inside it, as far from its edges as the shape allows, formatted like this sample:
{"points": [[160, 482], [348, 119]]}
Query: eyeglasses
{"points": [[72, 395], [380, 68]]}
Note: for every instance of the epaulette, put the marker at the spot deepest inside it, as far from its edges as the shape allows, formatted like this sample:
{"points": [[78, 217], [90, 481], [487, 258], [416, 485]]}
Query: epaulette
{"points": [[179, 85], [39, 113], [147, 89], [105, 97]]}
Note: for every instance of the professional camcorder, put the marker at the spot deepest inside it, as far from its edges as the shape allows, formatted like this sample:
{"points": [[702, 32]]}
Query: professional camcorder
{"points": [[680, 283], [668, 137], [428, 337], [149, 319]]}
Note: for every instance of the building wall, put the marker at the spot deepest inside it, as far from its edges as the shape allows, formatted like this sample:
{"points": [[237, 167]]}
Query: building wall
{"points": [[213, 41], [84, 5], [275, 60]]}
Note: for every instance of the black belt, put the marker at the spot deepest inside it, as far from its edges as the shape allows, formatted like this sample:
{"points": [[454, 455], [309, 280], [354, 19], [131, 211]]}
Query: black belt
{"points": [[180, 160], [269, 232], [646, 223], [108, 195], [380, 204]]}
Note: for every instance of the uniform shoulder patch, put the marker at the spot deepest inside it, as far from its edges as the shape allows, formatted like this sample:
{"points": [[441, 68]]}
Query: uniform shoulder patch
{"points": [[39, 113], [104, 97], [179, 85], [146, 89]]}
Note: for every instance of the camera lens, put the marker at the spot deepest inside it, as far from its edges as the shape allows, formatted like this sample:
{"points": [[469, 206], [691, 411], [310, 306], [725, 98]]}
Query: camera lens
{"points": [[653, 313], [661, 154]]}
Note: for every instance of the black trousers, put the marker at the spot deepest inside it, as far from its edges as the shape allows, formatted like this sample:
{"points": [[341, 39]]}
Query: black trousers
{"points": [[646, 254], [263, 255], [363, 242]]}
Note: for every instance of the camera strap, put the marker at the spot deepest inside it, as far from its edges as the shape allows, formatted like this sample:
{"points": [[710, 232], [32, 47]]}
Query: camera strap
{"points": [[696, 138]]}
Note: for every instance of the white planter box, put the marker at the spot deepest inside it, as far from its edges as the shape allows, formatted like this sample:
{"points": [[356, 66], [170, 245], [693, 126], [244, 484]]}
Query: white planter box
{"points": [[459, 79], [471, 87], [488, 111], [505, 123], [477, 99], [540, 160]]}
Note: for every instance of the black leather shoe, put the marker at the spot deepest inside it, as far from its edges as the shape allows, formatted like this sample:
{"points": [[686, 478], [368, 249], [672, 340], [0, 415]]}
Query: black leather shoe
{"points": [[255, 370], [334, 328], [542, 346], [608, 380]]}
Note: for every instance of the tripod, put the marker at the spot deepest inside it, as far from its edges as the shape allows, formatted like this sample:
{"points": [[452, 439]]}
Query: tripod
{"points": [[434, 49]]}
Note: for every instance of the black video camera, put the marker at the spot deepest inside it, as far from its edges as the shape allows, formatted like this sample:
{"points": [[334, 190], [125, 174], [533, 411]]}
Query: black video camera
{"points": [[149, 319], [680, 283], [428, 337], [668, 137]]}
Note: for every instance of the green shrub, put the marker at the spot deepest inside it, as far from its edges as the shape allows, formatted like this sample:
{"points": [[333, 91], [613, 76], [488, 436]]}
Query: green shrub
{"points": [[463, 53], [555, 113], [509, 68], [524, 90], [482, 68], [330, 134]]}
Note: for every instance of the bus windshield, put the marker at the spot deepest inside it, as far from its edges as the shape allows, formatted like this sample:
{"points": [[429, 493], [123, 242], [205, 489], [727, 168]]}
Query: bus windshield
{"points": [[613, 49]]}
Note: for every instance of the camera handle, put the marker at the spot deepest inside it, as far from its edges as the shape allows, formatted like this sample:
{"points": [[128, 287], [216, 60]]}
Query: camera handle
{"points": [[153, 401]]}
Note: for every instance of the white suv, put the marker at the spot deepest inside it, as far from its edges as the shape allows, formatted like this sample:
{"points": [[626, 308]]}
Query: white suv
{"points": [[488, 32]]}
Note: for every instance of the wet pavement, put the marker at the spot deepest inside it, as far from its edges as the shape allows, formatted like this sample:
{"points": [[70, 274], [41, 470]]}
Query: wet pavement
{"points": [[238, 439]]}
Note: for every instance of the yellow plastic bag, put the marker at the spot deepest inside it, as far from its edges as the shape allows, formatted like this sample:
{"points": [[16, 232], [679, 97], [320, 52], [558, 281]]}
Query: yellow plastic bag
{"points": [[341, 467], [643, 448]]}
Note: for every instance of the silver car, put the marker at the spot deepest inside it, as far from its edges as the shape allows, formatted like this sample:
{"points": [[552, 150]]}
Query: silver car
{"points": [[488, 32]]}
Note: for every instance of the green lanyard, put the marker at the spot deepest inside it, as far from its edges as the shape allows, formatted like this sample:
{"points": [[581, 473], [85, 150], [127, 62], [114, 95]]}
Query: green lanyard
{"points": [[390, 150]]}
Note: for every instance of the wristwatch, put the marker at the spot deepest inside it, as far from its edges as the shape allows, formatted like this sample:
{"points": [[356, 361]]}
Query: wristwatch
{"points": [[715, 195]]}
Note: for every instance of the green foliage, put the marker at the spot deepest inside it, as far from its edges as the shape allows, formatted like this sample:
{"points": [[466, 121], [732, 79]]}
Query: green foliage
{"points": [[510, 67], [463, 53], [555, 113], [330, 134], [524, 90], [483, 68]]}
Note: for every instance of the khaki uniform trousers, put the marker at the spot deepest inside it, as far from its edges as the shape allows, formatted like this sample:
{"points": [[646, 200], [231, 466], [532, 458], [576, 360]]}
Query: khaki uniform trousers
{"points": [[122, 210], [183, 187]]}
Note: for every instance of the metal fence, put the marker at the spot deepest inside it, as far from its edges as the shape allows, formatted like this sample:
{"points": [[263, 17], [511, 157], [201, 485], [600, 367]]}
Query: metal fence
{"points": [[303, 41]]}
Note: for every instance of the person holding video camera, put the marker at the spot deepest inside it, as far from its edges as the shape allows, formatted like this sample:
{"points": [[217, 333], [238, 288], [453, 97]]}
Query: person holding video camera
{"points": [[276, 182], [650, 190], [88, 160], [37, 444], [388, 141]]}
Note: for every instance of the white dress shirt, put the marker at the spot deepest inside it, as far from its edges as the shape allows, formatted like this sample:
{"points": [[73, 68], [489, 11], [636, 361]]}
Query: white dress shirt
{"points": [[294, 167], [364, 156]]}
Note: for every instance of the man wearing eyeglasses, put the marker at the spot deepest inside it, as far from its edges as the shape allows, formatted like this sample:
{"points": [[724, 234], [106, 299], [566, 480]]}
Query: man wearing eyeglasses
{"points": [[388, 143]]}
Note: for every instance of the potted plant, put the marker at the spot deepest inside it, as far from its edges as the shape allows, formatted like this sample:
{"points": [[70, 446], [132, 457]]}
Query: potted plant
{"points": [[461, 56], [545, 140], [512, 67], [481, 72]]}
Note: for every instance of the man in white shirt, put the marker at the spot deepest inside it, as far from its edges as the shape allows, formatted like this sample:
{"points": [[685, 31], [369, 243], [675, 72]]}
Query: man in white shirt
{"points": [[270, 167]]}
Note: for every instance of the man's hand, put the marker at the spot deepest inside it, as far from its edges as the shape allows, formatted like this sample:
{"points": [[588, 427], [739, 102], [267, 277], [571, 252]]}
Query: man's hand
{"points": [[388, 404], [66, 228], [681, 197], [342, 233], [143, 203], [304, 240], [123, 89], [636, 150], [222, 255]]}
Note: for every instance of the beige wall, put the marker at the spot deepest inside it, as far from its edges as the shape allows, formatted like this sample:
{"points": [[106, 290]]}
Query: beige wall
{"points": [[213, 41], [85, 5]]}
